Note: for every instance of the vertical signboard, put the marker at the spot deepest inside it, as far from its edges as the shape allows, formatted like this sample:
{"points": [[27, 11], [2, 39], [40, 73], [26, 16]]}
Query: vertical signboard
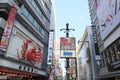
{"points": [[95, 39], [8, 29], [67, 47], [50, 48], [110, 18]]}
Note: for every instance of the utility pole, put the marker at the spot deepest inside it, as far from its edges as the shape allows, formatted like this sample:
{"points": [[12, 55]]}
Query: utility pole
{"points": [[67, 59]]}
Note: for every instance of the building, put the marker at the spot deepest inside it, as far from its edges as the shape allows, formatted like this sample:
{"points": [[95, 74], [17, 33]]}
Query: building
{"points": [[94, 21], [109, 24], [86, 55], [25, 26]]}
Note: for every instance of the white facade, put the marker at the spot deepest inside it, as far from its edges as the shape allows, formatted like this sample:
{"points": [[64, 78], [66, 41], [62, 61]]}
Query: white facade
{"points": [[87, 67]]}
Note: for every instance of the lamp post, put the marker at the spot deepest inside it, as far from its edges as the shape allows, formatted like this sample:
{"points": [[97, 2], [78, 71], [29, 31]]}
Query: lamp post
{"points": [[67, 59]]}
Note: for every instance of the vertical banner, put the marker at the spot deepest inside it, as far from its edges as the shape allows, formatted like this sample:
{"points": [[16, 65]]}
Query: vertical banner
{"points": [[50, 48], [67, 47], [8, 29]]}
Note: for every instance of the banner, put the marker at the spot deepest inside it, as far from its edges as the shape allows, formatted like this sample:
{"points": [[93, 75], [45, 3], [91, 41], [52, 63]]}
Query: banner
{"points": [[8, 29], [50, 48]]}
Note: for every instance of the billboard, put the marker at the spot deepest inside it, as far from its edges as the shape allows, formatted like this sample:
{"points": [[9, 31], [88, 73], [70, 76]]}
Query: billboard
{"points": [[24, 49], [67, 47], [50, 48], [108, 14]]}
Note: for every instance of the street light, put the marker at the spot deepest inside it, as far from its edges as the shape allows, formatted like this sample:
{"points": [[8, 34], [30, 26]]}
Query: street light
{"points": [[67, 59]]}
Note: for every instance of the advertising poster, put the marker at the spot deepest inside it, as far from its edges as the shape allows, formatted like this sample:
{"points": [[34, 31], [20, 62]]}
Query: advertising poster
{"points": [[8, 29], [24, 49], [67, 47], [108, 13]]}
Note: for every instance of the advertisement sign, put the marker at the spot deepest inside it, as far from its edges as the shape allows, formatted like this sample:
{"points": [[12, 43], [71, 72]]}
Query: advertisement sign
{"points": [[24, 49], [8, 29], [50, 48], [67, 47], [94, 33], [67, 43], [108, 14]]}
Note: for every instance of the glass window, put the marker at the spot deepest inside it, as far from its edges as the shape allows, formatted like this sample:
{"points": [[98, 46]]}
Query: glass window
{"points": [[42, 32], [25, 12], [114, 53], [40, 29], [30, 0], [31, 18], [1, 33], [34, 4], [35, 24]]}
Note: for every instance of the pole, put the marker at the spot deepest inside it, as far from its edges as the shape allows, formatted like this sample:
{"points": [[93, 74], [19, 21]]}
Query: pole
{"points": [[67, 59]]}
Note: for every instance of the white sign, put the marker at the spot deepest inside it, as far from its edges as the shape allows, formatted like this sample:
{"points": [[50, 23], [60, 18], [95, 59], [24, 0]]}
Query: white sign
{"points": [[50, 48], [108, 14]]}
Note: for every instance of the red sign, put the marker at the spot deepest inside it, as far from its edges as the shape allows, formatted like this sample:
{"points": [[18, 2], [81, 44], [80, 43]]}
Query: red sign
{"points": [[33, 55], [67, 43]]}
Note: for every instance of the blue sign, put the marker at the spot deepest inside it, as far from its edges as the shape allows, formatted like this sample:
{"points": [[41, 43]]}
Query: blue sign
{"points": [[67, 53]]}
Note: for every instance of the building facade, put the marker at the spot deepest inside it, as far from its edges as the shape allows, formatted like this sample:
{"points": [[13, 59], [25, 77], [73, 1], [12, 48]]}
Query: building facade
{"points": [[110, 29], [86, 59], [24, 33]]}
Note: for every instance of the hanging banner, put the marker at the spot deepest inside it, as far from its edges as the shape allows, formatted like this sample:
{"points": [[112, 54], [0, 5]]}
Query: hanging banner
{"points": [[67, 47], [50, 48], [8, 29]]}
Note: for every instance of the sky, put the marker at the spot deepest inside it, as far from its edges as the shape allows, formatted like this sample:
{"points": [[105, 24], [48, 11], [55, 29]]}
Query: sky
{"points": [[74, 12]]}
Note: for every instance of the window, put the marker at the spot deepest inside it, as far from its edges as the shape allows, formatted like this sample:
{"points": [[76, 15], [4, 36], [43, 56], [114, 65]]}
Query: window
{"points": [[118, 48], [31, 18], [34, 4], [35, 24], [109, 56], [114, 54], [42, 32], [25, 12], [1, 33], [33, 21]]}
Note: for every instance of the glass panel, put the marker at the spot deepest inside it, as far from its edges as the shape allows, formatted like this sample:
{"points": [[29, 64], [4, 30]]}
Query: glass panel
{"points": [[42, 32], [25, 12], [1, 33], [30, 18], [34, 4], [35, 24]]}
